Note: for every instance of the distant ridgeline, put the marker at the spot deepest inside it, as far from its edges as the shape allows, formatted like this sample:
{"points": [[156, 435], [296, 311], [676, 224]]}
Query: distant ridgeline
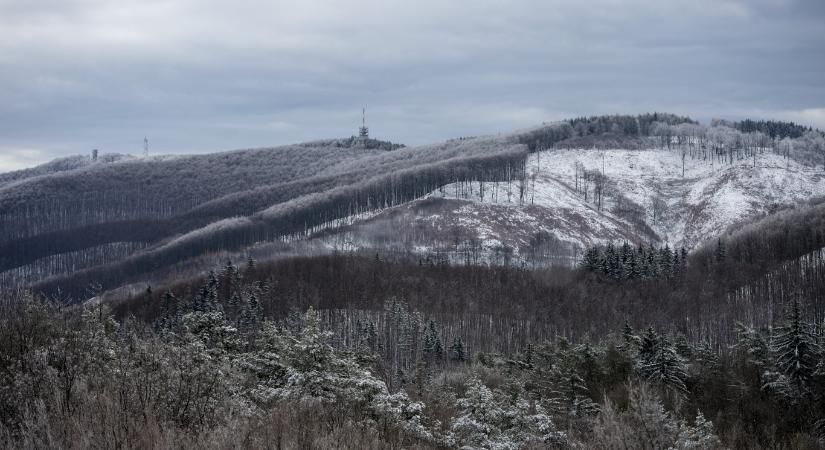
{"points": [[359, 142], [774, 129], [369, 143], [619, 126], [626, 131]]}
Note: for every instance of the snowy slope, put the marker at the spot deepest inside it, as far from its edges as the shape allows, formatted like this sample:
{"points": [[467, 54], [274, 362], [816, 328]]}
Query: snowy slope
{"points": [[700, 205], [706, 200]]}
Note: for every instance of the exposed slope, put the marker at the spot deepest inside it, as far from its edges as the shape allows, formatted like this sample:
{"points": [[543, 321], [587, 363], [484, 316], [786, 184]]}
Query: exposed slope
{"points": [[552, 219]]}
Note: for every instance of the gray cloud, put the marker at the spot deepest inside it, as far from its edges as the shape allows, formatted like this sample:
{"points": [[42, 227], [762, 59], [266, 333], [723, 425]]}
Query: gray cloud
{"points": [[207, 75]]}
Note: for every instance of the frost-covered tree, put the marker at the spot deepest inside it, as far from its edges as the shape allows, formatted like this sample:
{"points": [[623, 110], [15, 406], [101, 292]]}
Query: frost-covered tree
{"points": [[433, 349], [667, 367], [251, 312], [645, 424], [647, 347], [592, 259], [630, 341], [489, 420], [659, 362], [171, 314], [796, 354], [570, 399], [305, 367], [699, 436], [457, 352], [752, 347]]}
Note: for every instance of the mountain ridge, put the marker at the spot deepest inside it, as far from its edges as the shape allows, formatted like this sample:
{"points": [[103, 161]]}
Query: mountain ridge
{"points": [[504, 198]]}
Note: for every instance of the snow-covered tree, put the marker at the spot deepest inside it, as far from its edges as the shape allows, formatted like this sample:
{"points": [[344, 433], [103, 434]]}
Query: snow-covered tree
{"points": [[489, 420], [796, 354], [645, 424], [570, 400], [659, 362], [433, 349], [699, 436], [752, 347], [630, 341], [457, 352]]}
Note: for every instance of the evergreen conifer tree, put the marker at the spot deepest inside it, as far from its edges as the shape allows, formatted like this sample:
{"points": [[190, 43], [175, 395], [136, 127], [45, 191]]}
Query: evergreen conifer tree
{"points": [[796, 353], [457, 352], [665, 366]]}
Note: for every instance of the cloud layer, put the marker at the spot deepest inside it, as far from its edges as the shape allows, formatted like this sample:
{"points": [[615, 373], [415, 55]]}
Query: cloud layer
{"points": [[206, 75]]}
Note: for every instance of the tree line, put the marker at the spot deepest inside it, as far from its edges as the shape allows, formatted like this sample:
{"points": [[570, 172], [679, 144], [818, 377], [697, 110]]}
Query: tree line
{"points": [[627, 262]]}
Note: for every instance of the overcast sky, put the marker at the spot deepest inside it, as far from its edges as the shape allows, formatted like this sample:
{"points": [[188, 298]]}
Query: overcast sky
{"points": [[208, 75]]}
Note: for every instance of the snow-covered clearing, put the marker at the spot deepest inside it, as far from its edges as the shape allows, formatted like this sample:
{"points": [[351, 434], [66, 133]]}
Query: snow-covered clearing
{"points": [[709, 198]]}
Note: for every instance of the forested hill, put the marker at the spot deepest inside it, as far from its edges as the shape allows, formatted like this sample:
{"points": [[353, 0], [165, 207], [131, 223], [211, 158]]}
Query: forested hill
{"points": [[60, 165], [536, 196], [129, 217]]}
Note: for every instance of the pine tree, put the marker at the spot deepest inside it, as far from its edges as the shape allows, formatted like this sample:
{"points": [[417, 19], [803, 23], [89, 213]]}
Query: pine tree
{"points": [[525, 358], [207, 298], [201, 301], [647, 347], [683, 347], [677, 263], [251, 315], [633, 268], [626, 262], [170, 314], [421, 377], [592, 259], [588, 363], [665, 366], [457, 350], [796, 353], [212, 289], [234, 307], [370, 336], [570, 397], [652, 263], [752, 347], [721, 251], [630, 342], [642, 267], [666, 261], [613, 267], [400, 378], [433, 350]]}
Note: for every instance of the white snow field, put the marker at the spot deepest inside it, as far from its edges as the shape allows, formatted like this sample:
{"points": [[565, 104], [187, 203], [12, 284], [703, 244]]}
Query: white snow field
{"points": [[698, 206]]}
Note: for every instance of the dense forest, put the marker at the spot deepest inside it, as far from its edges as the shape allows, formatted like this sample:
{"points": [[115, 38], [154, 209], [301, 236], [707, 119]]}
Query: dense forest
{"points": [[719, 348], [116, 221], [77, 215]]}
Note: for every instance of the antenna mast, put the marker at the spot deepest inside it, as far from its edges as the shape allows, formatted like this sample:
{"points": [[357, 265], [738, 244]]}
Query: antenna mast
{"points": [[145, 147], [364, 132]]}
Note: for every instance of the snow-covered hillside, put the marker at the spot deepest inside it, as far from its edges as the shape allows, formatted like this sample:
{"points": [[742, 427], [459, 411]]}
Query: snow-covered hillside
{"points": [[549, 209], [699, 205]]}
